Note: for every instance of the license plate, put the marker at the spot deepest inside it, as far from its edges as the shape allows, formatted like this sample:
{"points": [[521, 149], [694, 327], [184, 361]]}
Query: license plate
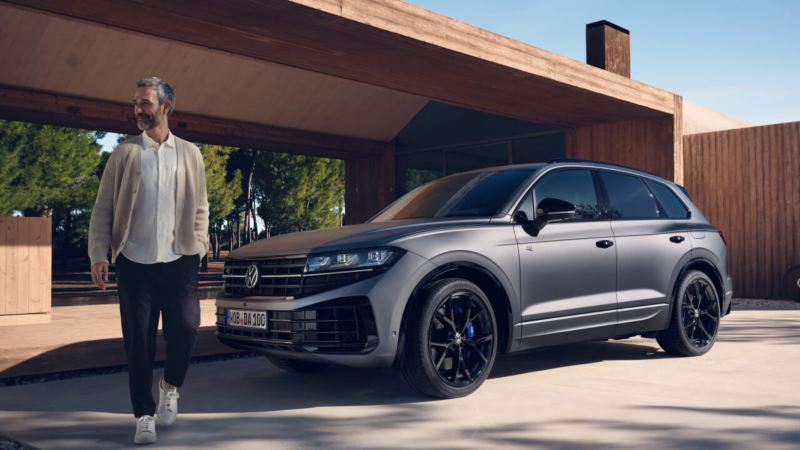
{"points": [[247, 319]]}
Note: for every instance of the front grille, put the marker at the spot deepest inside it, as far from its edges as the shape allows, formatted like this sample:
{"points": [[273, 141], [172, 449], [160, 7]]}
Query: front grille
{"points": [[341, 325], [284, 277]]}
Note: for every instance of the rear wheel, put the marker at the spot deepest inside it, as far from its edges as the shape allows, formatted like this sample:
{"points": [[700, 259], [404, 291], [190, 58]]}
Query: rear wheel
{"points": [[450, 340], [294, 365], [695, 317]]}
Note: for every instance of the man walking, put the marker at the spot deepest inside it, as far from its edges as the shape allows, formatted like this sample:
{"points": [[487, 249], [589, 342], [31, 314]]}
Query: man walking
{"points": [[152, 211]]}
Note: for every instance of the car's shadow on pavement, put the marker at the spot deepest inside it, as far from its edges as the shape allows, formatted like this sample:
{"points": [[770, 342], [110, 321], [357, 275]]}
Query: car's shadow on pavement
{"points": [[255, 385], [575, 354]]}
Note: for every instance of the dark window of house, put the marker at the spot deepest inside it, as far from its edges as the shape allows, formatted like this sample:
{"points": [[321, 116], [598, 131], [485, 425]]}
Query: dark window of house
{"points": [[672, 206], [538, 149], [628, 198], [476, 157], [416, 169], [574, 186]]}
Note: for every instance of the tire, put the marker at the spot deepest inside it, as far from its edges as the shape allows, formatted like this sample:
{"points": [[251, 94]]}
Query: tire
{"points": [[694, 323], [450, 342], [294, 365]]}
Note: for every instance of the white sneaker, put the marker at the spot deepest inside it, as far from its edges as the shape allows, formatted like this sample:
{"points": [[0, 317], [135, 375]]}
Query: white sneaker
{"points": [[145, 430], [167, 405]]}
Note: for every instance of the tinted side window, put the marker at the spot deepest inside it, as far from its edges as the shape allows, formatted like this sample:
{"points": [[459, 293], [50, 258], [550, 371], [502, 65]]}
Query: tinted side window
{"points": [[672, 206], [575, 186], [628, 197]]}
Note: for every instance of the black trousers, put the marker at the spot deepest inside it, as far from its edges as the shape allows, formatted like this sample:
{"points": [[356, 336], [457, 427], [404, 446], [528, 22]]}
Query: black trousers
{"points": [[145, 291]]}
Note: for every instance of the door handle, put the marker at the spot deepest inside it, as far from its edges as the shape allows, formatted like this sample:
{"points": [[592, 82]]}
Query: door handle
{"points": [[676, 239], [604, 243]]}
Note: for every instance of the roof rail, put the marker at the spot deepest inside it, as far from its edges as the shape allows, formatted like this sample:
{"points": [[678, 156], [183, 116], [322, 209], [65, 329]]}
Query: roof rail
{"points": [[559, 160]]}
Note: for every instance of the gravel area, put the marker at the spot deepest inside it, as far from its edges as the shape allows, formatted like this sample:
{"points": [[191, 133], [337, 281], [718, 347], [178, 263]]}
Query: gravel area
{"points": [[750, 304]]}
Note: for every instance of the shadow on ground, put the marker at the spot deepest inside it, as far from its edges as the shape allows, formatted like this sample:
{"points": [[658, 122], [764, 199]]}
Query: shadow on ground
{"points": [[250, 403], [101, 353], [232, 386], [772, 330], [310, 429]]}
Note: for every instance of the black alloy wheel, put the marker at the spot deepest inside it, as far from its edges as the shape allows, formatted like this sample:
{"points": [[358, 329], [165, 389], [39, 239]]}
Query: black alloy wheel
{"points": [[460, 338], [450, 341], [700, 313], [694, 323]]}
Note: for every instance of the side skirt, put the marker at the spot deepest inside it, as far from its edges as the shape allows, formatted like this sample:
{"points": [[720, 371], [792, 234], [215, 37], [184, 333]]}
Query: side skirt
{"points": [[593, 326]]}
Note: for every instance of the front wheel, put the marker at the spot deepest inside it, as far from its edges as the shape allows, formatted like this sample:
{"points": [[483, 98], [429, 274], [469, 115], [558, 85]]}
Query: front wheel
{"points": [[450, 340], [694, 324]]}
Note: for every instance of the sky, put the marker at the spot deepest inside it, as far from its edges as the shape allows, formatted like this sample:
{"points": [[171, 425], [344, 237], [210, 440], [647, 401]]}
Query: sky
{"points": [[737, 57]]}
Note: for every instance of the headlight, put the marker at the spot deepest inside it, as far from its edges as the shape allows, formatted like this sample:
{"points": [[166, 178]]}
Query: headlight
{"points": [[352, 260]]}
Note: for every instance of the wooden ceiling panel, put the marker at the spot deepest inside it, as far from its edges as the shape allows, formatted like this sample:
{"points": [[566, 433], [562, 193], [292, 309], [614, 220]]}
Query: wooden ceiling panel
{"points": [[391, 44], [56, 54]]}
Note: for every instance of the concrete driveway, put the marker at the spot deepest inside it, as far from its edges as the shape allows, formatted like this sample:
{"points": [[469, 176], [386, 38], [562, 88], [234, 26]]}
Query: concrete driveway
{"points": [[744, 394]]}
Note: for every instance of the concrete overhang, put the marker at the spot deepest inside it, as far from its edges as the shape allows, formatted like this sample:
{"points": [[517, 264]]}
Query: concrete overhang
{"points": [[341, 74]]}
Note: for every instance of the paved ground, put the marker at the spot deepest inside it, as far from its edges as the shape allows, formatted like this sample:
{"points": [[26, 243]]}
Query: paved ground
{"points": [[745, 394], [82, 337]]}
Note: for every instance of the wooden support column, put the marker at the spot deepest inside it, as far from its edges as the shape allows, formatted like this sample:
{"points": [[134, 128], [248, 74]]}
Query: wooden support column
{"points": [[677, 131], [369, 185]]}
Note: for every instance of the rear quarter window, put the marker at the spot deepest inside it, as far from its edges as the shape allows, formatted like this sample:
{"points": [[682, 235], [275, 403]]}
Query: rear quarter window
{"points": [[669, 202]]}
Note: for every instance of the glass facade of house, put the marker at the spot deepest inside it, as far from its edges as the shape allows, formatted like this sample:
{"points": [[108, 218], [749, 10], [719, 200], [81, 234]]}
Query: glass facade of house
{"points": [[444, 139]]}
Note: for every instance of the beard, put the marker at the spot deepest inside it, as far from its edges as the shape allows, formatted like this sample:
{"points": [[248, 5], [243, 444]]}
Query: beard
{"points": [[147, 121]]}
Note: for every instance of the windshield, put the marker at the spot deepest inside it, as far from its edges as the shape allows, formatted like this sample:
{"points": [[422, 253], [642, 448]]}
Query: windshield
{"points": [[473, 194]]}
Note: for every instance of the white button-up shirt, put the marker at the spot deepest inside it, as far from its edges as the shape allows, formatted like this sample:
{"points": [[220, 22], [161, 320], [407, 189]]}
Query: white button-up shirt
{"points": [[152, 230]]}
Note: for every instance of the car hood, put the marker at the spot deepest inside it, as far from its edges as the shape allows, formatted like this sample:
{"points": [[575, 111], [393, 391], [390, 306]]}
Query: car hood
{"points": [[347, 237]]}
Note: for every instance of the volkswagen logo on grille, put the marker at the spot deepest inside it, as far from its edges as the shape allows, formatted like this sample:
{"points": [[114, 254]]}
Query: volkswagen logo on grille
{"points": [[251, 277]]}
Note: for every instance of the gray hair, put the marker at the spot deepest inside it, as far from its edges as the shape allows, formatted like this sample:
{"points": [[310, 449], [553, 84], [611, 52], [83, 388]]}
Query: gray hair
{"points": [[163, 90]]}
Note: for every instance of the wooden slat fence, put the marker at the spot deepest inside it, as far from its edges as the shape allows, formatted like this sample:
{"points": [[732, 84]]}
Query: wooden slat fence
{"points": [[747, 182]]}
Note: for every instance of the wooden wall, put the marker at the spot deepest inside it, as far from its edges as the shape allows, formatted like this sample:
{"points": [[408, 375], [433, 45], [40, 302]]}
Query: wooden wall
{"points": [[643, 144], [25, 265], [369, 185], [747, 183]]}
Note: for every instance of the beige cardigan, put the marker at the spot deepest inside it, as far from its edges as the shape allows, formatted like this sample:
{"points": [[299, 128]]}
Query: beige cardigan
{"points": [[111, 216]]}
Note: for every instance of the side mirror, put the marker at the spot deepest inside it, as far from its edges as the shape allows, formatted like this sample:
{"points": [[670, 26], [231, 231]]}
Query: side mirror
{"points": [[521, 217], [553, 209], [532, 227]]}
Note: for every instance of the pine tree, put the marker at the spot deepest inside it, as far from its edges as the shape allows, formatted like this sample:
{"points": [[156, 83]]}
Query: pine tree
{"points": [[223, 187], [12, 144], [58, 167], [50, 171], [299, 193]]}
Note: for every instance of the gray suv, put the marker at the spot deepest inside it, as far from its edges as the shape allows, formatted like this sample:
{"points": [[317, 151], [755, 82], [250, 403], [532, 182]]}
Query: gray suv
{"points": [[494, 260]]}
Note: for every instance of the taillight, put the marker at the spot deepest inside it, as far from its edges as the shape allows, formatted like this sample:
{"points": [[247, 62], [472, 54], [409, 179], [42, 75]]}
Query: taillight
{"points": [[723, 238]]}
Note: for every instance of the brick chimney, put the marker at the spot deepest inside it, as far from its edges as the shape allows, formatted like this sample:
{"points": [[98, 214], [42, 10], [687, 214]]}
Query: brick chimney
{"points": [[608, 46]]}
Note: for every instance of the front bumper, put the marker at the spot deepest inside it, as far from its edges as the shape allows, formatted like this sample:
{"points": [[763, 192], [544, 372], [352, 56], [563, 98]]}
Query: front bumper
{"points": [[344, 325], [353, 325]]}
